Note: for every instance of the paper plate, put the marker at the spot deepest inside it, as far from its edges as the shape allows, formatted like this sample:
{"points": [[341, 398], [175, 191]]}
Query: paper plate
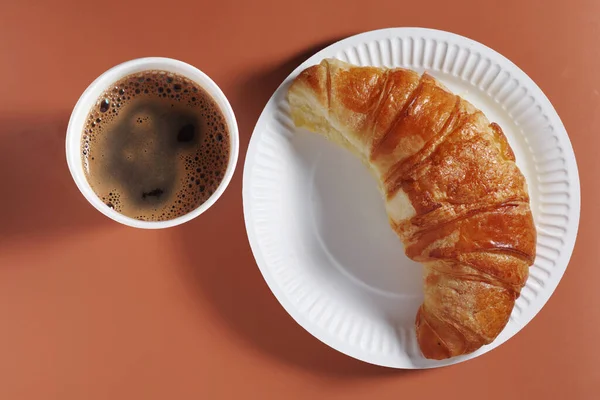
{"points": [[318, 227]]}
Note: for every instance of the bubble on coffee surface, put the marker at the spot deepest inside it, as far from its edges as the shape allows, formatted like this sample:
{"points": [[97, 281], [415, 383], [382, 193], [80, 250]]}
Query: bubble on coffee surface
{"points": [[142, 118]]}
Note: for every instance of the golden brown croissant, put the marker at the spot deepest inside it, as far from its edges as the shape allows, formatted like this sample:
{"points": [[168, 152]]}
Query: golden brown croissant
{"points": [[453, 192]]}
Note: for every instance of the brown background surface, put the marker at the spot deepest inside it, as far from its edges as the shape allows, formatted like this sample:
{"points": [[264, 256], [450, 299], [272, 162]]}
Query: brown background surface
{"points": [[90, 309]]}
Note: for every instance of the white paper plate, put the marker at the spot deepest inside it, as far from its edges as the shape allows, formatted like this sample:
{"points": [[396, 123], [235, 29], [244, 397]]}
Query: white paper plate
{"points": [[318, 227]]}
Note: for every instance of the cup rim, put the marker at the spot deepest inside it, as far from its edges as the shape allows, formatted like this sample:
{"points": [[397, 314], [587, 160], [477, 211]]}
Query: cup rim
{"points": [[89, 97]]}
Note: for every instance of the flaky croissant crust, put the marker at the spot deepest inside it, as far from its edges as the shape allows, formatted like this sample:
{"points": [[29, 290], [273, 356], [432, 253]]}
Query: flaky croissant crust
{"points": [[453, 192]]}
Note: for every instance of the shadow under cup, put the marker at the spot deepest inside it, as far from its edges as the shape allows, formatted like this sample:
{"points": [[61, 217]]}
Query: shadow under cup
{"points": [[88, 100]]}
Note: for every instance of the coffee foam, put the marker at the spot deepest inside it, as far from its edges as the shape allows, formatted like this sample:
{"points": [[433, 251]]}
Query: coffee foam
{"points": [[200, 172]]}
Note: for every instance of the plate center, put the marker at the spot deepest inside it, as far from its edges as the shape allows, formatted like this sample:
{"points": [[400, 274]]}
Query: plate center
{"points": [[350, 220]]}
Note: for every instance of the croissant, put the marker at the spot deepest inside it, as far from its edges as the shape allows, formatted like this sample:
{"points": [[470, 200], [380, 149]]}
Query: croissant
{"points": [[453, 192]]}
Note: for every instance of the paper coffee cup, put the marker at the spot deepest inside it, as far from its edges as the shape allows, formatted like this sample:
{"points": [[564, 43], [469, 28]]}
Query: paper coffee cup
{"points": [[88, 100]]}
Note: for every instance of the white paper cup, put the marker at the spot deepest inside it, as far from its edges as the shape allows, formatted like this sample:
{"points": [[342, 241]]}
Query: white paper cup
{"points": [[88, 100]]}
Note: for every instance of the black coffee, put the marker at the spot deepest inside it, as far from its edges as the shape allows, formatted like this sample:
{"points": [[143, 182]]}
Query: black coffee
{"points": [[155, 146]]}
